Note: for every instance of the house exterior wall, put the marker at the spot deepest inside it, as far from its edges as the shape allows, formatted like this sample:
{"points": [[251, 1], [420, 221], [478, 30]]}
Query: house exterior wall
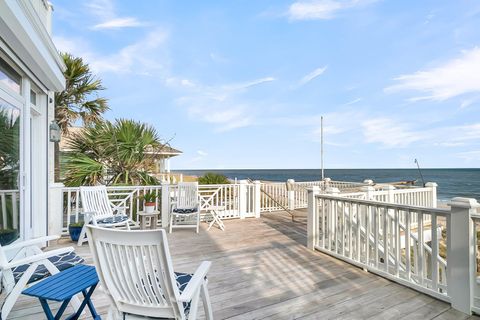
{"points": [[26, 47]]}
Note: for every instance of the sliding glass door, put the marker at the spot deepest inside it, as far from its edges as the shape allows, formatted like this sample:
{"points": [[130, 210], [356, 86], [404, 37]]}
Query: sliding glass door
{"points": [[9, 171]]}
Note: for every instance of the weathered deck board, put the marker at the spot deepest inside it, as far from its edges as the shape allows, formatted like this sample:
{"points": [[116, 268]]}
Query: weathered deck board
{"points": [[262, 270]]}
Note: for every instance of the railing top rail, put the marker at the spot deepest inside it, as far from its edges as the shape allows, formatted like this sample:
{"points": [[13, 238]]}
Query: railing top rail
{"points": [[116, 188], [9, 191], [442, 212]]}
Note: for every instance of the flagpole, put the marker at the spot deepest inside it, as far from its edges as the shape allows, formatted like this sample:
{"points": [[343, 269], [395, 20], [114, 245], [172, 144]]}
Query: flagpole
{"points": [[321, 145]]}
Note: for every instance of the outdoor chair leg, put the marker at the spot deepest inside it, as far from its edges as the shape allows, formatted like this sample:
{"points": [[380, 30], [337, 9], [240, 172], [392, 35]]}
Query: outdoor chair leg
{"points": [[207, 307], [81, 238], [171, 223], [12, 297], [198, 222]]}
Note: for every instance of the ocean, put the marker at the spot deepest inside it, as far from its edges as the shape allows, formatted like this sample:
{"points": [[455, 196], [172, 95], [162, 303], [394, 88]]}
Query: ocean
{"points": [[451, 182]]}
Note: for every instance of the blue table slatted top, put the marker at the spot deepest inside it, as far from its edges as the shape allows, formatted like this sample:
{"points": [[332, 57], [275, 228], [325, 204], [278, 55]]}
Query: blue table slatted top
{"points": [[65, 284]]}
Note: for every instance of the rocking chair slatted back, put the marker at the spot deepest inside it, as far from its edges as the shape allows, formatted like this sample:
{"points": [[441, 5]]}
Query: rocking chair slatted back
{"points": [[95, 200], [136, 270], [187, 195]]}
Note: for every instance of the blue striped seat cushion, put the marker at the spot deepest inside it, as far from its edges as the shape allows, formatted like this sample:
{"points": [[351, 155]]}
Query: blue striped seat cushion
{"points": [[185, 211], [62, 262], [182, 280], [114, 219]]}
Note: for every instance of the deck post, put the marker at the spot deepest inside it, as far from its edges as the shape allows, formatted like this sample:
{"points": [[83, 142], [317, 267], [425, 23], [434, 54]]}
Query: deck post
{"points": [[242, 198], [461, 271], [391, 193], [165, 211], [433, 186], [312, 220], [55, 212], [326, 183], [257, 197], [291, 194], [369, 190]]}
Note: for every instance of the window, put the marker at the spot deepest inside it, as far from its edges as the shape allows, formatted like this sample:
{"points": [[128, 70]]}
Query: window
{"points": [[33, 97], [9, 172], [9, 77]]}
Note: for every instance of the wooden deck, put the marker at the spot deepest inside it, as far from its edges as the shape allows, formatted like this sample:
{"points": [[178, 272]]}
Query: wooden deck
{"points": [[263, 270]]}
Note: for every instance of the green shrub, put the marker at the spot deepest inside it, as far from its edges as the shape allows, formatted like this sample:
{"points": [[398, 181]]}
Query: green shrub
{"points": [[213, 178]]}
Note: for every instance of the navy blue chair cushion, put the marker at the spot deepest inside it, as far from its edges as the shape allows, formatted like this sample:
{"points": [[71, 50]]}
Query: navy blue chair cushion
{"points": [[62, 262], [182, 280], [114, 219], [185, 211]]}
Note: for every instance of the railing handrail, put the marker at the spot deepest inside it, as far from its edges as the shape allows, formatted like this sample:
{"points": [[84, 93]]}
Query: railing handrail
{"points": [[439, 211]]}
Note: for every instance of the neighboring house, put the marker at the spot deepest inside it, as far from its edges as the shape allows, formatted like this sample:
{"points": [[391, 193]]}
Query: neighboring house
{"points": [[31, 70], [162, 156]]}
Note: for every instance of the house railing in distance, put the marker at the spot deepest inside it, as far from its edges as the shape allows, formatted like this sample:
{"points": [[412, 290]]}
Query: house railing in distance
{"points": [[432, 255]]}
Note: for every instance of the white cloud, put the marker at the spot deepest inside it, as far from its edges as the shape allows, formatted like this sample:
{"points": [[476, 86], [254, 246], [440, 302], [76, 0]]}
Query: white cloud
{"points": [[354, 101], [469, 156], [220, 105], [200, 155], [454, 78], [118, 23], [105, 12], [141, 57], [312, 75], [389, 133], [322, 9]]}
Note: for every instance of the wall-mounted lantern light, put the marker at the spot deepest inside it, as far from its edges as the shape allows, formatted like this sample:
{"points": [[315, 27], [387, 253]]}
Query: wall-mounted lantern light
{"points": [[54, 132]]}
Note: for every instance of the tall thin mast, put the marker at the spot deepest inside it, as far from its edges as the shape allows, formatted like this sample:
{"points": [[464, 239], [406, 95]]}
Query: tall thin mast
{"points": [[321, 145]]}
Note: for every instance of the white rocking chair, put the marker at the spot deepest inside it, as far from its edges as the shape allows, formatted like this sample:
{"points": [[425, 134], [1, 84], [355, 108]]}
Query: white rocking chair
{"points": [[99, 211], [136, 271], [185, 209], [30, 264]]}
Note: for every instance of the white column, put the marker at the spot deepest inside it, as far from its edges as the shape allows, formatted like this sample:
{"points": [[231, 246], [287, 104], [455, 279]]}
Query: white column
{"points": [[257, 197], [326, 183], [433, 186], [369, 190], [165, 210], [291, 194], [461, 271], [242, 198], [55, 212], [391, 193], [312, 219]]}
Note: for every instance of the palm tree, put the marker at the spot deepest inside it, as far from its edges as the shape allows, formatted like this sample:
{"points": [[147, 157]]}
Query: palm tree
{"points": [[123, 153], [79, 100]]}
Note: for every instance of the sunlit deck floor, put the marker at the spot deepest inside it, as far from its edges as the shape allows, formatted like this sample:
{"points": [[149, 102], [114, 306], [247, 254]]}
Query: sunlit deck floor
{"points": [[262, 270]]}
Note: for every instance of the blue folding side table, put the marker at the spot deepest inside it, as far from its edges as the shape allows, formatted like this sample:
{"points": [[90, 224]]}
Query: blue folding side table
{"points": [[63, 286]]}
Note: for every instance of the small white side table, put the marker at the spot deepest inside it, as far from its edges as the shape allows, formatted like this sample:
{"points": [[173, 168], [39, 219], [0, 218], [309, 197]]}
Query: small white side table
{"points": [[153, 217], [215, 217]]}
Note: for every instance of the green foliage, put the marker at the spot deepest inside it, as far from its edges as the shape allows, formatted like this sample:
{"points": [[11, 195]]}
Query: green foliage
{"points": [[213, 178], [79, 100], [150, 196], [9, 148], [119, 153], [76, 224]]}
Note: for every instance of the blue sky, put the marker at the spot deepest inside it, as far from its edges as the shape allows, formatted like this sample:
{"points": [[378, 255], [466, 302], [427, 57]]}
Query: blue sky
{"points": [[240, 84]]}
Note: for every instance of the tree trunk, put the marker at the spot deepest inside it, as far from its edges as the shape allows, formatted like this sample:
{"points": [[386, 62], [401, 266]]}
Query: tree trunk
{"points": [[57, 170]]}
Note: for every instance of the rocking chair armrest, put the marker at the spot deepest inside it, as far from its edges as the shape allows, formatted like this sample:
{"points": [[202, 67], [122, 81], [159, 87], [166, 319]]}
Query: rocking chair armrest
{"points": [[29, 243], [196, 281], [88, 216], [36, 258]]}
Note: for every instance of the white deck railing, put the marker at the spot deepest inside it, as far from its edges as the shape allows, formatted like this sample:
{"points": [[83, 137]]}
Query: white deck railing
{"points": [[432, 255], [237, 200], [9, 209], [125, 199]]}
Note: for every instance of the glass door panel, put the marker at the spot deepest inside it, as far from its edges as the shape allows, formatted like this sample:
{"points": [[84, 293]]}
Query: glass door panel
{"points": [[9, 172]]}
